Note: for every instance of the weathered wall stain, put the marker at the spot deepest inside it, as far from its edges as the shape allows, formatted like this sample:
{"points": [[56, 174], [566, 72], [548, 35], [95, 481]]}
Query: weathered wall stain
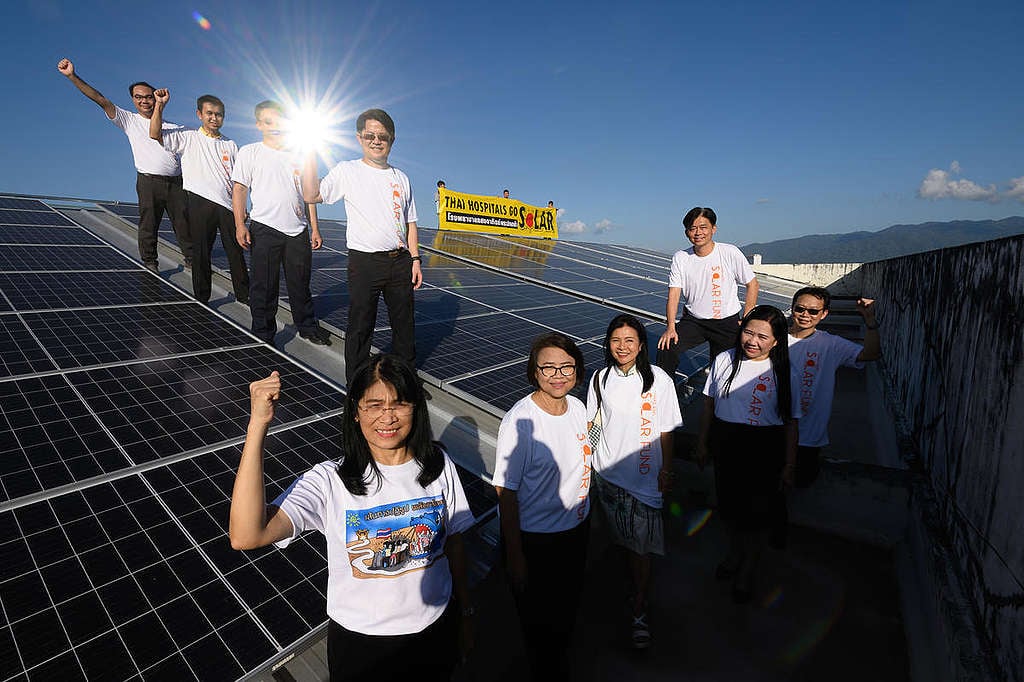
{"points": [[953, 333]]}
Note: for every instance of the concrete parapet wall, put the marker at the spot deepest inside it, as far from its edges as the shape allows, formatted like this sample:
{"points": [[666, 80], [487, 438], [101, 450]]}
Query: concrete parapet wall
{"points": [[953, 338], [814, 274]]}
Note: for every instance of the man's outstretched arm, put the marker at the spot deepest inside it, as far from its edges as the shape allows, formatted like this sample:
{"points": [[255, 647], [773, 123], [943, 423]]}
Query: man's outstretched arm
{"points": [[156, 121], [310, 182], [68, 69]]}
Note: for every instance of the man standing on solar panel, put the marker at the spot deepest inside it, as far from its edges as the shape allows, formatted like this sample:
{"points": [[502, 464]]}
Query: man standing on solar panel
{"points": [[381, 235], [207, 158], [158, 183], [283, 230], [705, 276]]}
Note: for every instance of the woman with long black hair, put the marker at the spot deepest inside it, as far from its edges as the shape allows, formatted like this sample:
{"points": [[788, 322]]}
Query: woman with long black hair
{"points": [[638, 410], [749, 425], [392, 510]]}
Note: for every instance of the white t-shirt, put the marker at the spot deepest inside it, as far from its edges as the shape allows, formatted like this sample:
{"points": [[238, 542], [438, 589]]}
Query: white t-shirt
{"points": [[387, 571], [632, 422], [378, 204], [753, 395], [814, 361], [546, 459], [150, 156], [709, 282], [275, 189], [206, 163]]}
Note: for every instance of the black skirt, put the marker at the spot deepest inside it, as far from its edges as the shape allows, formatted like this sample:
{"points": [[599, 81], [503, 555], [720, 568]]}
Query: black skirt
{"points": [[748, 473]]}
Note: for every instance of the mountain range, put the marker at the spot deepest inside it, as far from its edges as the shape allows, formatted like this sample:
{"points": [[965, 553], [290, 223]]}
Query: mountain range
{"points": [[898, 240]]}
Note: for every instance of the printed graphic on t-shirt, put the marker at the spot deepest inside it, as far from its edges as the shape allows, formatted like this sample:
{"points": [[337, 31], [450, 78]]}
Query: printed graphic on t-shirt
{"points": [[648, 413], [808, 373], [716, 292], [393, 539], [762, 392], [396, 210], [582, 507]]}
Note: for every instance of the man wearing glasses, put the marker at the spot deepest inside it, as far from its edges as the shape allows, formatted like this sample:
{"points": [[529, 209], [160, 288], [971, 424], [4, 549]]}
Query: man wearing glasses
{"points": [[381, 237], [814, 357], [158, 183]]}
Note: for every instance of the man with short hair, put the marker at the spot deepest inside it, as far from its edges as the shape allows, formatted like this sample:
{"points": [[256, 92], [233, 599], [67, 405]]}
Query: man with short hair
{"points": [[158, 181], [505, 194], [814, 358], [207, 157], [705, 276], [280, 232], [437, 197], [381, 236]]}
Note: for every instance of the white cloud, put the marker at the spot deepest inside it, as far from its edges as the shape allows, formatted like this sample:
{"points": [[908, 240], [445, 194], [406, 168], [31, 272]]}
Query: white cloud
{"points": [[940, 184], [763, 201], [603, 225], [559, 212], [575, 227], [1016, 190]]}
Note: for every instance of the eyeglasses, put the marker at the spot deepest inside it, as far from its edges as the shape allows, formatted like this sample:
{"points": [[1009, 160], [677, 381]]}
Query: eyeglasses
{"points": [[376, 410], [805, 309], [552, 370], [370, 137]]}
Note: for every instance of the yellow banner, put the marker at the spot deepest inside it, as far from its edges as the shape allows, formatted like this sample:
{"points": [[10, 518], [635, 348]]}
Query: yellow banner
{"points": [[493, 215]]}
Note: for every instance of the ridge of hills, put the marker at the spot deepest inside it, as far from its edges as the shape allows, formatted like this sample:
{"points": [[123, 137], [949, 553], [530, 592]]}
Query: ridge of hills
{"points": [[898, 240]]}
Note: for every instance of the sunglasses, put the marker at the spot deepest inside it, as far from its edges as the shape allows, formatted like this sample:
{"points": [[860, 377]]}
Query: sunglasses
{"points": [[803, 309]]}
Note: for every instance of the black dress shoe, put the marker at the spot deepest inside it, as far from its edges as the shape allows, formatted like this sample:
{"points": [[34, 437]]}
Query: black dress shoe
{"points": [[318, 338]]}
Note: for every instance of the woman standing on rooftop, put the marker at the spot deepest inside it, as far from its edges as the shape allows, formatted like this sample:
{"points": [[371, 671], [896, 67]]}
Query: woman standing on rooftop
{"points": [[638, 410], [749, 425], [392, 510], [541, 473]]}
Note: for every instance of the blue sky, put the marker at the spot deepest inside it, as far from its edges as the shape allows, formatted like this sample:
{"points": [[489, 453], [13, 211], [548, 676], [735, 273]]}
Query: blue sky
{"points": [[800, 118]]}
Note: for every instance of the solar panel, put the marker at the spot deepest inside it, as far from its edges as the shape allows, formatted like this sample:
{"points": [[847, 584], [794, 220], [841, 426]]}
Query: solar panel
{"points": [[39, 291], [48, 438], [29, 257], [49, 236], [106, 583], [24, 204], [124, 210], [175, 405], [43, 218], [448, 349], [79, 338], [512, 296], [582, 320], [19, 352]]}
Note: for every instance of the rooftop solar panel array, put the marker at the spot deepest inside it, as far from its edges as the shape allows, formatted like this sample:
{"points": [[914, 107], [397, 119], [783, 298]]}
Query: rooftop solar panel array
{"points": [[124, 408]]}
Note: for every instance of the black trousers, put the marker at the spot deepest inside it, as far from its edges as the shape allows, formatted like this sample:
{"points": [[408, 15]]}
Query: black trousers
{"points": [[159, 193], [547, 608], [428, 655], [370, 275], [205, 219], [270, 250], [693, 331]]}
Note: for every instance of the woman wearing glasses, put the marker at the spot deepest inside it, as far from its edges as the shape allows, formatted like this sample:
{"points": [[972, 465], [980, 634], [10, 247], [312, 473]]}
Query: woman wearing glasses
{"points": [[392, 511], [542, 476]]}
